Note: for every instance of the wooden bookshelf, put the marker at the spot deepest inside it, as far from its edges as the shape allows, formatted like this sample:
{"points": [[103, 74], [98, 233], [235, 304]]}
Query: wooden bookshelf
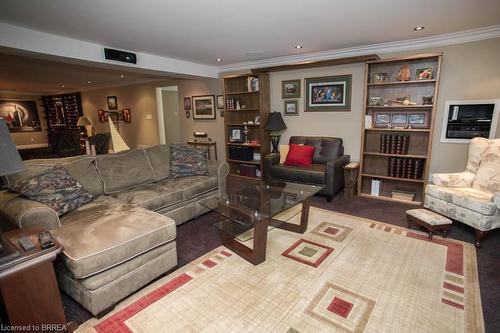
{"points": [[375, 162], [63, 111], [252, 101]]}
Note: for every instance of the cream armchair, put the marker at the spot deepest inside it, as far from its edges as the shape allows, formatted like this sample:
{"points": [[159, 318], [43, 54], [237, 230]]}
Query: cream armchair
{"points": [[473, 196]]}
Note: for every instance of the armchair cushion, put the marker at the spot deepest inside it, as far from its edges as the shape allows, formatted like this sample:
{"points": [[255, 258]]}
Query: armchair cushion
{"points": [[459, 179], [314, 174], [466, 197], [477, 147], [488, 172]]}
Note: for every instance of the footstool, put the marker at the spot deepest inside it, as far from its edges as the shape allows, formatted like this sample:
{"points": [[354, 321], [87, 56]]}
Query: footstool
{"points": [[429, 220]]}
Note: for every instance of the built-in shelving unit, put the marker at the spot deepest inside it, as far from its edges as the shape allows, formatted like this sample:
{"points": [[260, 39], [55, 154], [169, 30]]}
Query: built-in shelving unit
{"points": [[62, 111], [246, 97], [404, 167]]}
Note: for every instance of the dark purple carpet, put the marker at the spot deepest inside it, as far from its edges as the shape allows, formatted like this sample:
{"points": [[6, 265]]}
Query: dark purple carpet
{"points": [[198, 236]]}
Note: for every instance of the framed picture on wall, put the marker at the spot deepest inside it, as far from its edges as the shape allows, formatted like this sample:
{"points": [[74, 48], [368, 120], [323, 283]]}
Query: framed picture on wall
{"points": [[204, 107], [220, 102], [291, 108], [127, 116], [112, 103], [290, 89], [103, 115], [187, 103], [328, 93], [20, 116]]}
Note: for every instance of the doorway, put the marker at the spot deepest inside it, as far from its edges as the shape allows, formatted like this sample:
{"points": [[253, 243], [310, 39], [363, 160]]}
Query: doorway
{"points": [[167, 104]]}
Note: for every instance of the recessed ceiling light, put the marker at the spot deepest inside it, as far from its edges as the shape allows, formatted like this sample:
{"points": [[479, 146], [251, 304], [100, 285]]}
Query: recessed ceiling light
{"points": [[89, 82], [298, 47], [62, 86], [122, 76], [420, 27], [218, 59]]}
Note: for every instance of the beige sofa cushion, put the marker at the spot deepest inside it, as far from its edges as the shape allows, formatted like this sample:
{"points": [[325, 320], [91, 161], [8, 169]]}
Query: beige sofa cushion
{"points": [[124, 170], [192, 186], [107, 232], [466, 197], [159, 157], [150, 196], [85, 172], [488, 172], [477, 147]]}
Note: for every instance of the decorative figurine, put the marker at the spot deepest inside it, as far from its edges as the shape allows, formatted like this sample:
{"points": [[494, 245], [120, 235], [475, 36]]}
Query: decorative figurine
{"points": [[404, 73]]}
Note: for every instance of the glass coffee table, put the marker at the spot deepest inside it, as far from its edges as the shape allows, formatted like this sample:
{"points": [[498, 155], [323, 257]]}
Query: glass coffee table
{"points": [[251, 206]]}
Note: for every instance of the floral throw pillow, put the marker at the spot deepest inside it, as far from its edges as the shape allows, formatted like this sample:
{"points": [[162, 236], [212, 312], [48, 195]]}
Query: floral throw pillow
{"points": [[55, 188], [188, 161]]}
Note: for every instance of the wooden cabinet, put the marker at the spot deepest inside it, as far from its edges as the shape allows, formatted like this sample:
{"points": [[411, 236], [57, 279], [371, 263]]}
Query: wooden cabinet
{"points": [[396, 146], [63, 111], [246, 99]]}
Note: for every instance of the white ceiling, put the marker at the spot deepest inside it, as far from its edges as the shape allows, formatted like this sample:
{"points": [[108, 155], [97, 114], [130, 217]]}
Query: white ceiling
{"points": [[242, 30], [23, 74]]}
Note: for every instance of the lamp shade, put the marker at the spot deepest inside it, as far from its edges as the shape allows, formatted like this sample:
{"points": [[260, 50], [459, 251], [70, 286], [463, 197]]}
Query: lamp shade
{"points": [[10, 161], [83, 121], [275, 122]]}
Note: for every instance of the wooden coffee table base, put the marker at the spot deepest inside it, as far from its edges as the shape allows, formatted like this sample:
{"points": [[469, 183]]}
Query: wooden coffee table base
{"points": [[257, 254]]}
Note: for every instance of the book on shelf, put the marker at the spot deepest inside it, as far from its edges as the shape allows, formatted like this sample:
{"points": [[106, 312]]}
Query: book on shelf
{"points": [[375, 190], [394, 144], [408, 168], [402, 195]]}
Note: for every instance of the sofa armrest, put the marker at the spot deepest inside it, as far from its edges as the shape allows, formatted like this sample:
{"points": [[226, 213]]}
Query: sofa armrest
{"points": [[334, 176], [269, 161], [459, 179], [23, 213], [219, 170]]}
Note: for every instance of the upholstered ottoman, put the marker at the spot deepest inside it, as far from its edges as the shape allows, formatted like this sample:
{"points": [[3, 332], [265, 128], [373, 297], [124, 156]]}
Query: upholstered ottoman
{"points": [[429, 220]]}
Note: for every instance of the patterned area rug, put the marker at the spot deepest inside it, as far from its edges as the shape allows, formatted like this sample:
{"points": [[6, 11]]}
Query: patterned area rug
{"points": [[345, 274]]}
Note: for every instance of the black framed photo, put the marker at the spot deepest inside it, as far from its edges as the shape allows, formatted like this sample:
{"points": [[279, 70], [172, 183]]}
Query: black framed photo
{"points": [[291, 108], [328, 93], [399, 119], [115, 117], [204, 107], [382, 119], [187, 103], [424, 73], [220, 102], [236, 134], [103, 115], [112, 103], [418, 120], [380, 78], [290, 89], [20, 116], [126, 115]]}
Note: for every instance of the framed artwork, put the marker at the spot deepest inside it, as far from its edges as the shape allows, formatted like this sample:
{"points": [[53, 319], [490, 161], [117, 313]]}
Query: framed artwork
{"points": [[112, 103], [328, 93], [220, 102], [399, 119], [380, 78], [236, 134], [424, 74], [418, 120], [187, 103], [204, 107], [291, 108], [114, 115], [103, 115], [221, 113], [381, 119], [20, 116], [127, 116], [290, 89], [188, 114]]}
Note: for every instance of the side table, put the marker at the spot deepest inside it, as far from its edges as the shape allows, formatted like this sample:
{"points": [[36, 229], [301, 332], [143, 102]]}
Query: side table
{"points": [[28, 285], [205, 144], [351, 171]]}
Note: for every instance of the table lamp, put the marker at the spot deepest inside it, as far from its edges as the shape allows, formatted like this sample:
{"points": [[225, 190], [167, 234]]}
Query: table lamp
{"points": [[275, 124], [84, 121]]}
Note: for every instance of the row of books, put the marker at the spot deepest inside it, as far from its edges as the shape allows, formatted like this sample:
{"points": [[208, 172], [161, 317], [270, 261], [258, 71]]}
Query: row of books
{"points": [[409, 168], [394, 144], [233, 104]]}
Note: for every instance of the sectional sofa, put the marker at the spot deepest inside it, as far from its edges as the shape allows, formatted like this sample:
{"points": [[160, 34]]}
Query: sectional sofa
{"points": [[124, 238]]}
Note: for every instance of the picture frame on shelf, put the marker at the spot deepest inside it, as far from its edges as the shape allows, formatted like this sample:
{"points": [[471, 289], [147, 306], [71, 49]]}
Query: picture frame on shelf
{"points": [[220, 102], [187, 103], [424, 73], [328, 93], [112, 103], [380, 78], [291, 108], [427, 100], [203, 107], [399, 119], [236, 134], [381, 119], [418, 120], [290, 89], [127, 116]]}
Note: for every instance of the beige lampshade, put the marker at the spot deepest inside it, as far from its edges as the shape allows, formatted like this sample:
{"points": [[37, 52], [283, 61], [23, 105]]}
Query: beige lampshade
{"points": [[83, 121]]}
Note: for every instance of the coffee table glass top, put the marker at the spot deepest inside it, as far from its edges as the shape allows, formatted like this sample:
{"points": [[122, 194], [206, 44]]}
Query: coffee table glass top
{"points": [[251, 202]]}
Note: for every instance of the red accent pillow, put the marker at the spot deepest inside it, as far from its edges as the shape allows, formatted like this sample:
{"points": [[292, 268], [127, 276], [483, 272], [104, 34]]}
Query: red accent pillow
{"points": [[300, 155]]}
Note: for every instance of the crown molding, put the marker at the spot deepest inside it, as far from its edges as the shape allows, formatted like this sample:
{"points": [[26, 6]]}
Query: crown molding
{"points": [[380, 48]]}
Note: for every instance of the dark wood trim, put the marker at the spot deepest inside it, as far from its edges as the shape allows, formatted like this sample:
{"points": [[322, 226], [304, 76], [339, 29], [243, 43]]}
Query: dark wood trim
{"points": [[320, 63]]}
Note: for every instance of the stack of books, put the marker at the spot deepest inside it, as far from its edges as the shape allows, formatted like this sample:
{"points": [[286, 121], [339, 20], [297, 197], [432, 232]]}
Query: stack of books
{"points": [[231, 103], [394, 144], [409, 168], [403, 195]]}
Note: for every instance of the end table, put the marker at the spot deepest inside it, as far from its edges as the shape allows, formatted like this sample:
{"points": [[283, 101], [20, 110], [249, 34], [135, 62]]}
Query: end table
{"points": [[28, 285], [351, 171]]}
